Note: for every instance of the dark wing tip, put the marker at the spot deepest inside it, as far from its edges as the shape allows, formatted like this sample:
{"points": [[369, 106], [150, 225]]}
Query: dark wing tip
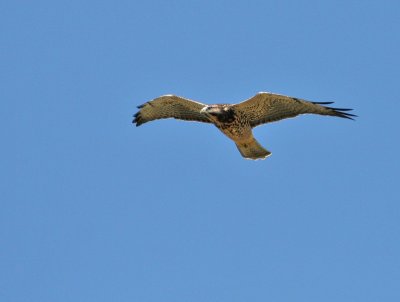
{"points": [[348, 116], [339, 112], [342, 112], [137, 119], [322, 103]]}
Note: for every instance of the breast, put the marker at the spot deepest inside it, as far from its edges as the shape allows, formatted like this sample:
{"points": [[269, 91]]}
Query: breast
{"points": [[235, 127]]}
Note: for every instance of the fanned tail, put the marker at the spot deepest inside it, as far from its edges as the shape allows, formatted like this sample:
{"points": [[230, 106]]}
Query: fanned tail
{"points": [[252, 150]]}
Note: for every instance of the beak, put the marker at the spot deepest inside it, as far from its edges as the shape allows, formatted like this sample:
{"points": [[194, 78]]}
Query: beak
{"points": [[204, 109]]}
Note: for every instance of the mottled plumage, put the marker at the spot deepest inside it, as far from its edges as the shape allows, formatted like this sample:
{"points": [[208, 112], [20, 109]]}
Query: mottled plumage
{"points": [[236, 121]]}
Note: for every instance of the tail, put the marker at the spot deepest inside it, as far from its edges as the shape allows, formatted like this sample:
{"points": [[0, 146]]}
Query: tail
{"points": [[252, 150]]}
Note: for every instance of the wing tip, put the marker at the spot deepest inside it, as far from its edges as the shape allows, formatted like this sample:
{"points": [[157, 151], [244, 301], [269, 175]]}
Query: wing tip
{"points": [[322, 103], [343, 113], [339, 112], [137, 123], [137, 119]]}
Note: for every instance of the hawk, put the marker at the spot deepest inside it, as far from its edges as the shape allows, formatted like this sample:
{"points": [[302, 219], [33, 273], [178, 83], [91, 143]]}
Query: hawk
{"points": [[236, 121]]}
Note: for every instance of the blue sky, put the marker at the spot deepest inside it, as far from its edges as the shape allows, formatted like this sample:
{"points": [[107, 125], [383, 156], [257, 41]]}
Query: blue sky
{"points": [[95, 209]]}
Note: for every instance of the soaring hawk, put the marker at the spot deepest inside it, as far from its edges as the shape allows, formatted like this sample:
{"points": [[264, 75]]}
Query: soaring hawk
{"points": [[236, 121]]}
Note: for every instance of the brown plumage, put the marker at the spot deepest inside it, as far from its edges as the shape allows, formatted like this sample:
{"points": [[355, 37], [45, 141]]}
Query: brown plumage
{"points": [[236, 121]]}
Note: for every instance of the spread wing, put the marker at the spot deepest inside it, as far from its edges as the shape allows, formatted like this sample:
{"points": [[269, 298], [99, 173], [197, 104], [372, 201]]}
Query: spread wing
{"points": [[170, 106], [267, 107]]}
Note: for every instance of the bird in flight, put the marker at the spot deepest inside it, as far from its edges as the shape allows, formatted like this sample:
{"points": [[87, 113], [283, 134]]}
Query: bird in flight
{"points": [[236, 121]]}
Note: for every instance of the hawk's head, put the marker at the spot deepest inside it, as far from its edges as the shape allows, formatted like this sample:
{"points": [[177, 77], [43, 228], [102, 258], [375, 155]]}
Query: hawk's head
{"points": [[219, 113]]}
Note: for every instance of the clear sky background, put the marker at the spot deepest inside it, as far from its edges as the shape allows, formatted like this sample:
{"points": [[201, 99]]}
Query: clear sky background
{"points": [[95, 209]]}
